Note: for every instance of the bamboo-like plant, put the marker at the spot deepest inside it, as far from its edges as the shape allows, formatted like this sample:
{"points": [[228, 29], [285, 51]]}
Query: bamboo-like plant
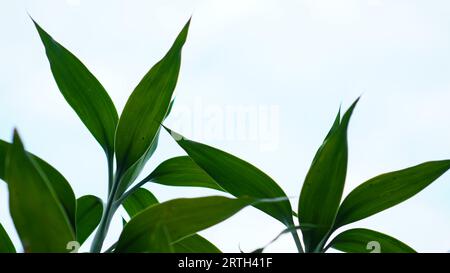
{"points": [[45, 212], [48, 217], [320, 210]]}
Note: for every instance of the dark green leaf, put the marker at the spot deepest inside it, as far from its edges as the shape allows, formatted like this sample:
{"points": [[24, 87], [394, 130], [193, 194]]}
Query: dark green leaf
{"points": [[133, 172], [194, 244], [39, 217], [182, 171], [322, 190], [138, 201], [89, 214], [238, 177], [159, 225], [142, 199], [335, 126], [83, 92], [387, 190], [146, 108], [59, 184], [6, 246], [362, 240]]}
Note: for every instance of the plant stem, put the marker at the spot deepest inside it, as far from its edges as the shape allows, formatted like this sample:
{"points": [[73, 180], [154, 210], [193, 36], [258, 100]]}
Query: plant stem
{"points": [[110, 172], [111, 207], [321, 246], [132, 190], [103, 227], [297, 241]]}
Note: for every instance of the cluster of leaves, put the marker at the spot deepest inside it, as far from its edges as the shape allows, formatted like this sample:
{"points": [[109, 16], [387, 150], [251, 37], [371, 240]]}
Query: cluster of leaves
{"points": [[47, 216]]}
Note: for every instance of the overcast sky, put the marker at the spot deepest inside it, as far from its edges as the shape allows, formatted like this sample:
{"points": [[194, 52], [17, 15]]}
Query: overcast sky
{"points": [[290, 64]]}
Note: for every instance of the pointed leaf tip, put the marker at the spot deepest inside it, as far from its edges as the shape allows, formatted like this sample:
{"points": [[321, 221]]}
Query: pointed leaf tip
{"points": [[82, 91], [349, 112], [322, 190], [146, 109], [16, 138]]}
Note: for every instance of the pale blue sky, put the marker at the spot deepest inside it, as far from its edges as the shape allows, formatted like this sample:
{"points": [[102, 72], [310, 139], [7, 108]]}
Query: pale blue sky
{"points": [[303, 57]]}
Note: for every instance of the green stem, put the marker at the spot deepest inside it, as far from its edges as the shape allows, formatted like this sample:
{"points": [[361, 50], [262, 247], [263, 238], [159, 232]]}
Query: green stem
{"points": [[297, 241], [321, 246], [103, 227], [110, 173], [110, 209], [131, 191]]}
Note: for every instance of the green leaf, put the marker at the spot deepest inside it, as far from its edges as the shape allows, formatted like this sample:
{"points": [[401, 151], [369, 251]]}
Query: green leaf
{"points": [[155, 228], [83, 92], [6, 245], [322, 190], [133, 172], [89, 213], [39, 217], [194, 244], [387, 190], [142, 199], [238, 177], [335, 126], [362, 240], [182, 171], [62, 188], [138, 201], [146, 108]]}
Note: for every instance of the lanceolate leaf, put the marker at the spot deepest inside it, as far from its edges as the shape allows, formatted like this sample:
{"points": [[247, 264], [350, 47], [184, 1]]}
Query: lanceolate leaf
{"points": [[89, 213], [83, 92], [194, 244], [138, 201], [147, 107], [362, 240], [182, 171], [162, 224], [39, 218], [387, 190], [322, 190], [238, 177], [142, 199], [6, 246], [335, 126], [62, 188], [133, 172]]}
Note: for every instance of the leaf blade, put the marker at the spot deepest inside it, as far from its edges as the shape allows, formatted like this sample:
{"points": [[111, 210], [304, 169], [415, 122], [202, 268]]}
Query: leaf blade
{"points": [[6, 245], [142, 199], [360, 240], [133, 172], [324, 183], [33, 204], [89, 214], [194, 244], [176, 219], [84, 93], [238, 177], [387, 190], [60, 185], [138, 201], [147, 106], [182, 172]]}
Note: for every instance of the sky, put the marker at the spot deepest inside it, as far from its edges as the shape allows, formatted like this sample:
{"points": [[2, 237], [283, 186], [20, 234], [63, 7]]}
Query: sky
{"points": [[261, 79]]}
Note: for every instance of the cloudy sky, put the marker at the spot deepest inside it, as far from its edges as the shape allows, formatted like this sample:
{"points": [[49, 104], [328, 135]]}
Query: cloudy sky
{"points": [[291, 64]]}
